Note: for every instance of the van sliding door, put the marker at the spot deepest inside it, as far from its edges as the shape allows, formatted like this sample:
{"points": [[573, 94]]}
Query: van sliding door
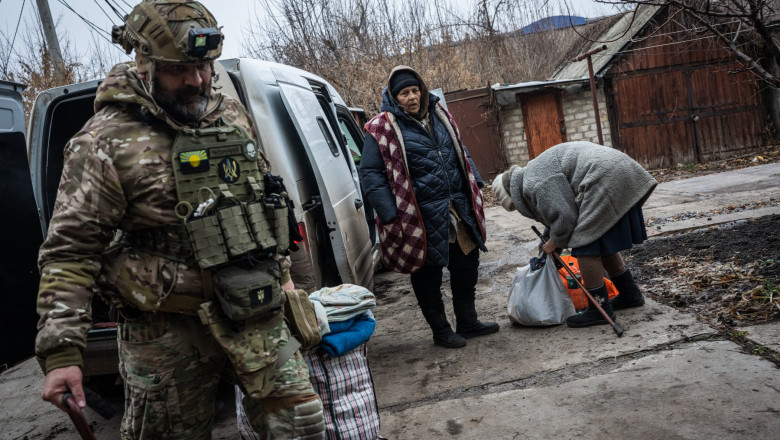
{"points": [[348, 232]]}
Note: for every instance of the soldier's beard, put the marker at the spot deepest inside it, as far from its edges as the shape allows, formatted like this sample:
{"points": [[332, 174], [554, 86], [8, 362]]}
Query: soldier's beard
{"points": [[186, 104]]}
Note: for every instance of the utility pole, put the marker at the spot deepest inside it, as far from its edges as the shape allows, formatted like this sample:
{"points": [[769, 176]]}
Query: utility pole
{"points": [[51, 40], [581, 57]]}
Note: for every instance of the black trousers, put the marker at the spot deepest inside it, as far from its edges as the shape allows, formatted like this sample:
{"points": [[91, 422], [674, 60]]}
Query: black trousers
{"points": [[463, 268]]}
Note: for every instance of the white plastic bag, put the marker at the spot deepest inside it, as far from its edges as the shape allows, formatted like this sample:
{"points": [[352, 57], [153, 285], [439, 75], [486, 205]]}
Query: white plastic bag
{"points": [[538, 297]]}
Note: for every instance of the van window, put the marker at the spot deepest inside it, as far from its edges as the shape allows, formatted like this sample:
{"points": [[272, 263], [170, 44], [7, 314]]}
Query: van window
{"points": [[351, 141], [328, 137]]}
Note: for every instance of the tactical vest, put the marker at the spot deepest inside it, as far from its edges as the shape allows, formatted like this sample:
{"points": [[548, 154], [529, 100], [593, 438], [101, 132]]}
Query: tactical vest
{"points": [[222, 197], [232, 226]]}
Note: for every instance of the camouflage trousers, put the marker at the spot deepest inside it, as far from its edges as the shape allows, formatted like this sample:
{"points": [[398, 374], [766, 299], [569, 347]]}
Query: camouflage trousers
{"points": [[172, 366]]}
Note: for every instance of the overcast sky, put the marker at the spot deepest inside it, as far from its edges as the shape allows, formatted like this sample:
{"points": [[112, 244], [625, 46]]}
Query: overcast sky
{"points": [[234, 15]]}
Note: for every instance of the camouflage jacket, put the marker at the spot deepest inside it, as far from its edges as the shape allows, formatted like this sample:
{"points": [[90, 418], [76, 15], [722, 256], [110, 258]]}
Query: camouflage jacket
{"points": [[117, 175]]}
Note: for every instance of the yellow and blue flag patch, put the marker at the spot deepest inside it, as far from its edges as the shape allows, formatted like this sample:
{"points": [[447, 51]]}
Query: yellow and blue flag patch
{"points": [[194, 161]]}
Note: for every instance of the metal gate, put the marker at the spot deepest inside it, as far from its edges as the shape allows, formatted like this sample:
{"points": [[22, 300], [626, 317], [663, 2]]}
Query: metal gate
{"points": [[476, 114]]}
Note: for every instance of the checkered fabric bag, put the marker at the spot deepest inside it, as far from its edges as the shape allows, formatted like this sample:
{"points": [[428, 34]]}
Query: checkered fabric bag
{"points": [[346, 388]]}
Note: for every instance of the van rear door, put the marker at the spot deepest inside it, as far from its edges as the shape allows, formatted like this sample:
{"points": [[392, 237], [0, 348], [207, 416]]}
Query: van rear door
{"points": [[21, 234], [348, 232]]}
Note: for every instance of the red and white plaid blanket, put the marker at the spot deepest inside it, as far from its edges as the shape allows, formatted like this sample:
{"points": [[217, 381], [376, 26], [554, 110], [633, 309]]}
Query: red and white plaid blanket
{"points": [[403, 242]]}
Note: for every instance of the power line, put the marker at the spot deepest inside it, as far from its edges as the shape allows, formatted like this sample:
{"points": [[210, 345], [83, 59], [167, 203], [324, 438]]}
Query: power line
{"points": [[89, 23], [127, 4], [101, 8], [101, 32], [116, 9], [13, 40]]}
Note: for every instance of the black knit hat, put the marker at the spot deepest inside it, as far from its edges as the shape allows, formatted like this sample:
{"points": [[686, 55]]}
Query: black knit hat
{"points": [[403, 79]]}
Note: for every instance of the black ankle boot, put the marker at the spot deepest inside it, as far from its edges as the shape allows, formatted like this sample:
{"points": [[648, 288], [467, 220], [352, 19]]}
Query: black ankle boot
{"points": [[628, 292], [591, 315], [468, 325], [479, 328], [449, 339], [442, 332]]}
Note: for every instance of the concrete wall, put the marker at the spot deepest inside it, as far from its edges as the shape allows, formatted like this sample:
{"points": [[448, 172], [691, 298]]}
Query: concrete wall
{"points": [[577, 114]]}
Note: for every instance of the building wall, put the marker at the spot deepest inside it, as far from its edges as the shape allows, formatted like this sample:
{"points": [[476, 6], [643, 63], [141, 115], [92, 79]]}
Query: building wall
{"points": [[578, 117], [515, 144]]}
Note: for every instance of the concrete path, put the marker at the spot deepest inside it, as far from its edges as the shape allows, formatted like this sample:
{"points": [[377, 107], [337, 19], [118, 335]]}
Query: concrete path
{"points": [[668, 377]]}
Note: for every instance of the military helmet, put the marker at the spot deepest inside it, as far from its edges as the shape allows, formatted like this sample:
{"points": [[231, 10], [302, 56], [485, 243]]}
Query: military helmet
{"points": [[170, 30]]}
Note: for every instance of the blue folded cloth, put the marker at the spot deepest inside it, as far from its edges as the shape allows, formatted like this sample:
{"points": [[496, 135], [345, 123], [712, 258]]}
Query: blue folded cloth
{"points": [[347, 335]]}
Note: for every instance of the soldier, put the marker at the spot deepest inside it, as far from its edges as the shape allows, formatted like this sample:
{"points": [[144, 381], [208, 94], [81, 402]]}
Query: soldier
{"points": [[163, 211]]}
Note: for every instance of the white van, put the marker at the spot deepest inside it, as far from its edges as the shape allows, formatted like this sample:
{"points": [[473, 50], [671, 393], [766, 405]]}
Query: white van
{"points": [[305, 129]]}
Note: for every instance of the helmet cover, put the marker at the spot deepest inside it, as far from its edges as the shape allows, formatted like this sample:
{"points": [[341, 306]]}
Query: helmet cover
{"points": [[170, 30]]}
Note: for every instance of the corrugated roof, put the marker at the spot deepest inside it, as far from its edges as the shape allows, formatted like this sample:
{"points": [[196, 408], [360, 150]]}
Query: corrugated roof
{"points": [[617, 37], [505, 94]]}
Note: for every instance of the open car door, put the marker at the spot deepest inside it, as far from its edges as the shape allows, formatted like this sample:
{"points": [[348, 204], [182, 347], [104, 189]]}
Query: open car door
{"points": [[21, 233], [348, 233]]}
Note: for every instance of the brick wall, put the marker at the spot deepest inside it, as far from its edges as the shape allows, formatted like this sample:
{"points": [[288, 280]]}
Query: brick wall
{"points": [[577, 114], [515, 144], [579, 117]]}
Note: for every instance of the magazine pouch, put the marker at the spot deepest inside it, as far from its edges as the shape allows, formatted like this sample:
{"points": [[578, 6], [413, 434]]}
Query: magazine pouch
{"points": [[235, 229], [276, 210], [207, 241], [256, 217]]}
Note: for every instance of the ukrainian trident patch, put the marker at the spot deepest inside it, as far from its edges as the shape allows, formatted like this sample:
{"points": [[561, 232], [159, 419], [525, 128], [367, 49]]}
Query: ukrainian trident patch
{"points": [[194, 161], [229, 170]]}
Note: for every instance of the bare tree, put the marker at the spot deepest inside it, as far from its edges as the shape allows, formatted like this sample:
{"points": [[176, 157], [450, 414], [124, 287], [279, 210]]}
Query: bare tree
{"points": [[354, 43]]}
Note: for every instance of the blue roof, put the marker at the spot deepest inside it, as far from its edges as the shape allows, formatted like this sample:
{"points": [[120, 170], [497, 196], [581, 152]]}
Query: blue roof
{"points": [[553, 22]]}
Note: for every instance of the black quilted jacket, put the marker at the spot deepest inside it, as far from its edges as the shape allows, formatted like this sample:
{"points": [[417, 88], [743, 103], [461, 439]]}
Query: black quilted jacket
{"points": [[436, 174]]}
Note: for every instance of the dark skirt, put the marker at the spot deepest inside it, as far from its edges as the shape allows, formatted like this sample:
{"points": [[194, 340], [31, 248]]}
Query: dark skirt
{"points": [[628, 231]]}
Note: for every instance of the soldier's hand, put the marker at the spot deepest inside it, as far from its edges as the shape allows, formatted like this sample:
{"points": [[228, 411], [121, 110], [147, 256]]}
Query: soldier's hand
{"points": [[60, 381], [288, 285]]}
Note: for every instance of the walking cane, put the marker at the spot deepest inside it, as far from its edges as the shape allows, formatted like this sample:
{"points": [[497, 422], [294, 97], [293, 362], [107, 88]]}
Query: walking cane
{"points": [[592, 300], [77, 417]]}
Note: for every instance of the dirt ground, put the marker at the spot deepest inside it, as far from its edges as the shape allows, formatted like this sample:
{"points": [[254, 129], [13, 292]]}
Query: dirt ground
{"points": [[731, 272]]}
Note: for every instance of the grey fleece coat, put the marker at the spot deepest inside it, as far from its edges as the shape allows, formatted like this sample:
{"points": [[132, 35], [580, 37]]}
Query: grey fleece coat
{"points": [[578, 190]]}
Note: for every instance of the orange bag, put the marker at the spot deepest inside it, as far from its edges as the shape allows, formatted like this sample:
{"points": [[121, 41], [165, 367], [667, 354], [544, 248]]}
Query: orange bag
{"points": [[575, 292]]}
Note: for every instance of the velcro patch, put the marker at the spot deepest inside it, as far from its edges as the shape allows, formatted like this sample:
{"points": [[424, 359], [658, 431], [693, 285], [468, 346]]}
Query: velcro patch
{"points": [[229, 170], [260, 296], [194, 161]]}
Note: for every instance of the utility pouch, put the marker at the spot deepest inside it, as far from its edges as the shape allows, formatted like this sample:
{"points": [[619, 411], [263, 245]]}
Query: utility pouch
{"points": [[207, 241], [235, 230], [252, 349], [300, 317], [258, 223], [276, 211], [248, 292]]}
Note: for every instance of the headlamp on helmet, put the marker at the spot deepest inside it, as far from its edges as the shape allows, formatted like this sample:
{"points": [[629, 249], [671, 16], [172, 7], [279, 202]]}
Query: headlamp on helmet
{"points": [[201, 41]]}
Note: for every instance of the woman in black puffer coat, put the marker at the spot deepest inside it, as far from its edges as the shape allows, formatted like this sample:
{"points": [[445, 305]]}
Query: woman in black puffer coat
{"points": [[440, 222]]}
